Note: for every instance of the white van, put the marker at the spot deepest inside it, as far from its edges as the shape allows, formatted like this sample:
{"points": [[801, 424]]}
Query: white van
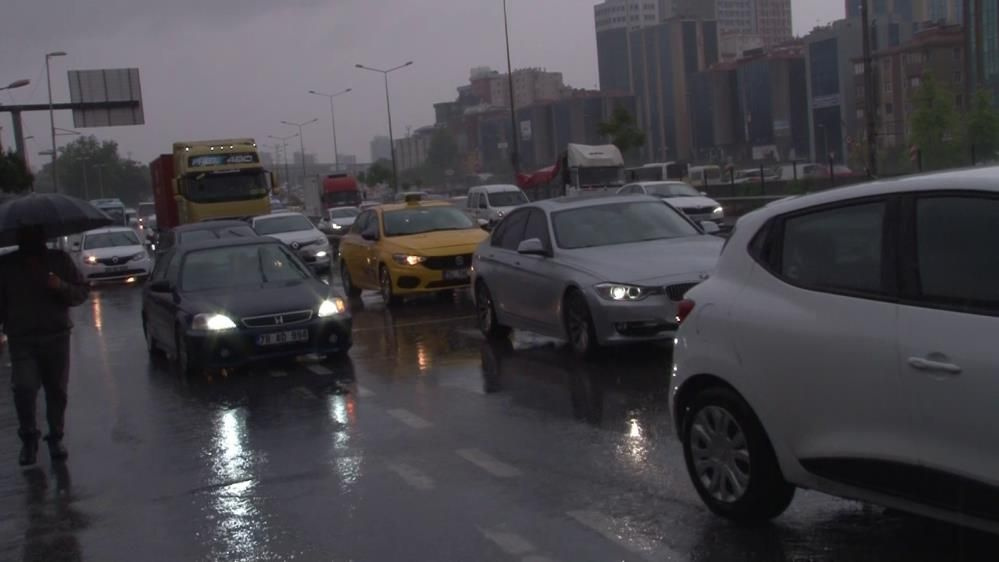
{"points": [[493, 202], [699, 176]]}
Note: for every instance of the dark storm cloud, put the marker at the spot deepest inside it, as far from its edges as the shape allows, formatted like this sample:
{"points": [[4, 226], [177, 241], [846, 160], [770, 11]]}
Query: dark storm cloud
{"points": [[216, 68]]}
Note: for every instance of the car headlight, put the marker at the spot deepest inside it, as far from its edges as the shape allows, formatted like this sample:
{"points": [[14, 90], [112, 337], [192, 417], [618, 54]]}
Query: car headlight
{"points": [[620, 292], [212, 322], [718, 212], [90, 259], [138, 256], [332, 307], [405, 259], [322, 254], [335, 226]]}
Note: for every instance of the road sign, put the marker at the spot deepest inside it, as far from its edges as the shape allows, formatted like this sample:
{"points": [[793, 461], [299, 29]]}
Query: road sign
{"points": [[103, 86]]}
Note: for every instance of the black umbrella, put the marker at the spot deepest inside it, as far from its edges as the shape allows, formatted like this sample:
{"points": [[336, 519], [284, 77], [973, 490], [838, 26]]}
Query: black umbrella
{"points": [[58, 215]]}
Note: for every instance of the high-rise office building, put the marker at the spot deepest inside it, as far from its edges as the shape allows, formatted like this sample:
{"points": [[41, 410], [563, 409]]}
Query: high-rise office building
{"points": [[901, 9], [981, 24]]}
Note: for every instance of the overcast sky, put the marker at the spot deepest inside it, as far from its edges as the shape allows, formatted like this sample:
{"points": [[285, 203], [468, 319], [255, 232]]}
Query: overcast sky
{"points": [[235, 68]]}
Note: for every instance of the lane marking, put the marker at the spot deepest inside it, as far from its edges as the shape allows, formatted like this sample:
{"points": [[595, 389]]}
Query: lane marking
{"points": [[510, 543], [319, 370], [412, 476], [610, 530], [490, 464], [409, 418], [364, 392]]}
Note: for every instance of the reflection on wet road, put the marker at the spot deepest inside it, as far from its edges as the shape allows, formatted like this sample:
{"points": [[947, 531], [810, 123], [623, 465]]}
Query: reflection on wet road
{"points": [[429, 443]]}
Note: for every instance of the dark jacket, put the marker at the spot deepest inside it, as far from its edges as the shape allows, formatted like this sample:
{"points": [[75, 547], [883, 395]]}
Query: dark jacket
{"points": [[28, 307]]}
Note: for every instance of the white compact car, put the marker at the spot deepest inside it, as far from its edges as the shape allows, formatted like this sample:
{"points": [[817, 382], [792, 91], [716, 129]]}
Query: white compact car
{"points": [[845, 343], [298, 233], [689, 201], [493, 202], [112, 254], [338, 220]]}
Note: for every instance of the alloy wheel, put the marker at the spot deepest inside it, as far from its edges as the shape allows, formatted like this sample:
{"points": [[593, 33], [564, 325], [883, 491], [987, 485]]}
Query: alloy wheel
{"points": [[720, 454]]}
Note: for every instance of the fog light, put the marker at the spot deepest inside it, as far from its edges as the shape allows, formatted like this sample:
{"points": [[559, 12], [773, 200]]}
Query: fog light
{"points": [[130, 280]]}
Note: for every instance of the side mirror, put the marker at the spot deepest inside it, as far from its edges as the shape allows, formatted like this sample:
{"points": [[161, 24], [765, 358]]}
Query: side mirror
{"points": [[370, 234], [162, 286], [76, 246], [709, 227], [532, 247], [483, 222]]}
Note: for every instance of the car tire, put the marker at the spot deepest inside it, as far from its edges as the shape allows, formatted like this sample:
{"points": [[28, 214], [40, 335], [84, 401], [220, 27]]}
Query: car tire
{"points": [[485, 311], [385, 287], [185, 367], [348, 283], [730, 459], [579, 325], [151, 347]]}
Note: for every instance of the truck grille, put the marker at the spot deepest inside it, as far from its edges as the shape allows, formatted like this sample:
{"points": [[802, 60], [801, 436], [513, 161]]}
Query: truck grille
{"points": [[461, 261], [275, 320], [677, 292]]}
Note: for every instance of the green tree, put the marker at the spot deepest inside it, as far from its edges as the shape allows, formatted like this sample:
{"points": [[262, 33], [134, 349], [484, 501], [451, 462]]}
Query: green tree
{"points": [[380, 172], [90, 169], [623, 131], [442, 157], [981, 126], [935, 125], [15, 177]]}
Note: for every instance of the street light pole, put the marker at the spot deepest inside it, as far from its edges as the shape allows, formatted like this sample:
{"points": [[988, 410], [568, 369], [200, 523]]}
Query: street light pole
{"points": [[336, 152], [52, 127], [301, 143], [515, 151], [388, 106], [284, 148]]}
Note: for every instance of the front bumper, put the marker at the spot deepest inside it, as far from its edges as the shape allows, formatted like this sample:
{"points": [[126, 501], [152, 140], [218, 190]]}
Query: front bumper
{"points": [[100, 273], [409, 280], [234, 348], [651, 319]]}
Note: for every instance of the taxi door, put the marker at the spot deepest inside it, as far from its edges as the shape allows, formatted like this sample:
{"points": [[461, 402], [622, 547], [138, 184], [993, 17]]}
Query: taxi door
{"points": [[356, 252]]}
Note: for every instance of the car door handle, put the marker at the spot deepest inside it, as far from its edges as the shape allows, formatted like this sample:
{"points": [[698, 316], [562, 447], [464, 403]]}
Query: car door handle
{"points": [[921, 364]]}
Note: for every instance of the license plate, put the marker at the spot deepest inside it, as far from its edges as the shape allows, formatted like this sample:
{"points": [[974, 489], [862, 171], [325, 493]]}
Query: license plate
{"points": [[281, 338], [457, 275], [117, 269]]}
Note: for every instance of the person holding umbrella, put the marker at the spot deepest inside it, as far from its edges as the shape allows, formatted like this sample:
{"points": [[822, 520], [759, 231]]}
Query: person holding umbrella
{"points": [[37, 287]]}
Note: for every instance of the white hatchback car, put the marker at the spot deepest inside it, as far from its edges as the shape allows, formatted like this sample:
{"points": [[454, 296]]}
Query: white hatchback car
{"points": [[113, 254], [845, 343]]}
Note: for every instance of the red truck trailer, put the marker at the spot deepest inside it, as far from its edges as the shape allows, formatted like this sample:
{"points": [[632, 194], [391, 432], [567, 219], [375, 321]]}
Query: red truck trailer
{"points": [[163, 197], [340, 190]]}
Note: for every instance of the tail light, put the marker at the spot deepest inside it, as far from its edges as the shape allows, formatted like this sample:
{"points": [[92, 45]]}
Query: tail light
{"points": [[683, 310]]}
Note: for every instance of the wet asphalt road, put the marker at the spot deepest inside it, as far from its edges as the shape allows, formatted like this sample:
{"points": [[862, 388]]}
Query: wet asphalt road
{"points": [[428, 444]]}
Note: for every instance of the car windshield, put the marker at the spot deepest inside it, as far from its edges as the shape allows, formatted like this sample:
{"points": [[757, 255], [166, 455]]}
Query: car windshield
{"points": [[507, 198], [278, 225], [218, 187], [110, 240], [425, 219], [215, 234], [618, 223], [672, 190], [343, 213], [240, 266]]}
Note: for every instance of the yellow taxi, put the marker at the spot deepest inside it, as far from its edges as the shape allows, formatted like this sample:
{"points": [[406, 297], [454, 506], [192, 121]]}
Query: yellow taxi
{"points": [[409, 248]]}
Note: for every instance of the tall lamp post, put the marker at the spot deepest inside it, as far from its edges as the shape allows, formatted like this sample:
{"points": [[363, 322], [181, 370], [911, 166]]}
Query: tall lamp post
{"points": [[515, 150], [301, 143], [336, 152], [284, 149], [52, 127], [388, 106]]}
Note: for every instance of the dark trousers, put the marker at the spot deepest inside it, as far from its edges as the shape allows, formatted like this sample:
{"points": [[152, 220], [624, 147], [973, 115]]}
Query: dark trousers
{"points": [[39, 363]]}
